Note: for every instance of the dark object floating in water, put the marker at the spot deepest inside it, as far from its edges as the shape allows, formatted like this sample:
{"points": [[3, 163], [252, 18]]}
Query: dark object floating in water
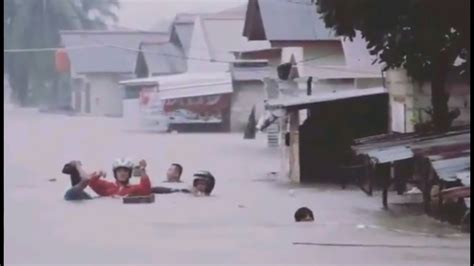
{"points": [[52, 180], [139, 199], [377, 245], [304, 214]]}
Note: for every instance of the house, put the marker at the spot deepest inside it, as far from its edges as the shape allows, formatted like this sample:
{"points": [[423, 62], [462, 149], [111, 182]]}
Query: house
{"points": [[208, 52], [332, 63], [316, 148], [99, 60], [297, 25]]}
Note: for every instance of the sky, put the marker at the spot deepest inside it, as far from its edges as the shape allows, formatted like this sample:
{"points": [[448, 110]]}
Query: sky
{"points": [[145, 14]]}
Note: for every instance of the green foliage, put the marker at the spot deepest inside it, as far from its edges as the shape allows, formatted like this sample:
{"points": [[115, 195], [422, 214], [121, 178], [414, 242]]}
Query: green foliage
{"points": [[36, 24], [405, 33], [423, 36]]}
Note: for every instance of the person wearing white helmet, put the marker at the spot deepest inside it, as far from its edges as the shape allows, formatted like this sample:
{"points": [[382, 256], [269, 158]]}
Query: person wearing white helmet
{"points": [[122, 169]]}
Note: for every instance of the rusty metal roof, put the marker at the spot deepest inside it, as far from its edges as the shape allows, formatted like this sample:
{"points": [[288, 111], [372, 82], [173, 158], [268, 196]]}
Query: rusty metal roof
{"points": [[465, 178], [449, 153], [447, 169], [391, 154]]}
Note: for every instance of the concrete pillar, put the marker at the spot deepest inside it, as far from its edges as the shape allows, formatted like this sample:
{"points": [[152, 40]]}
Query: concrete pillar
{"points": [[294, 146], [408, 100]]}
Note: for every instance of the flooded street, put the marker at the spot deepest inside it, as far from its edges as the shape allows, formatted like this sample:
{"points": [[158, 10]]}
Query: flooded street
{"points": [[248, 219]]}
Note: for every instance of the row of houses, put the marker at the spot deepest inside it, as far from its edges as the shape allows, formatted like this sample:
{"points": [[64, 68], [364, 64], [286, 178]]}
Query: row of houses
{"points": [[321, 99], [212, 69], [247, 42]]}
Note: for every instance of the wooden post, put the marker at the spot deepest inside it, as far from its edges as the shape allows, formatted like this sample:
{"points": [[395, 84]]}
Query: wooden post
{"points": [[386, 185], [427, 190], [294, 146], [440, 202], [371, 177]]}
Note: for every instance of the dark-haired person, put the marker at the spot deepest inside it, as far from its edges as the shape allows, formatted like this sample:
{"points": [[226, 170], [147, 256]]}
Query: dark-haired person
{"points": [[173, 175], [304, 214], [122, 169]]}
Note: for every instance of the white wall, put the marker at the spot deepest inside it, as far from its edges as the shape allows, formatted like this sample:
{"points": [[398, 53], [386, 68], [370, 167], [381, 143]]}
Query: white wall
{"points": [[246, 95], [415, 98], [106, 94], [317, 52]]}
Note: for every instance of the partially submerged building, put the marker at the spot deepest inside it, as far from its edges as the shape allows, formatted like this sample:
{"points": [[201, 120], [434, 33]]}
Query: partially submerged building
{"points": [[106, 57], [207, 52]]}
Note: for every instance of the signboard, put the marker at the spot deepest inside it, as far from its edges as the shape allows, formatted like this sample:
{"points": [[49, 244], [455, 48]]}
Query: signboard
{"points": [[150, 103], [199, 109]]}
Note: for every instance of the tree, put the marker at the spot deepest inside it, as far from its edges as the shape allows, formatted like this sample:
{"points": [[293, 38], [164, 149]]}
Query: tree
{"points": [[36, 24], [423, 36]]}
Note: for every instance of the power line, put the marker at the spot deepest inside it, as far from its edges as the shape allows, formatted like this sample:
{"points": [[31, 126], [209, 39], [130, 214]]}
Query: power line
{"points": [[32, 50], [103, 45]]}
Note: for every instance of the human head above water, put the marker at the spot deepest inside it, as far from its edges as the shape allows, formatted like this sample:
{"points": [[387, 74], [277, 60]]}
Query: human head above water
{"points": [[174, 172], [204, 182], [304, 214], [122, 169]]}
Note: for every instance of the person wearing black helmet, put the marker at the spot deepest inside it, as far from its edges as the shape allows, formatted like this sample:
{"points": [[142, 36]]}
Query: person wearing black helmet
{"points": [[203, 183], [304, 214]]}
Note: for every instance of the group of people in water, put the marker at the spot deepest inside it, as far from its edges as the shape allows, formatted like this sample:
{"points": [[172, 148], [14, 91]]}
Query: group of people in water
{"points": [[123, 170]]}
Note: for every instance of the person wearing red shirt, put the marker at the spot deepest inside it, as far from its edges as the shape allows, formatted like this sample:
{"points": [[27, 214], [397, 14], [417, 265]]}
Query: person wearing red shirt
{"points": [[122, 170]]}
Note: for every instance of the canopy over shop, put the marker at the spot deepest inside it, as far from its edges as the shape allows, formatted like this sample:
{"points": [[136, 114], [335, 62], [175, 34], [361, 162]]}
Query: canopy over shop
{"points": [[189, 98]]}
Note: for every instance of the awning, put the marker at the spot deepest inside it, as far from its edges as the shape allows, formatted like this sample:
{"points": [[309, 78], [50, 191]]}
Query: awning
{"points": [[465, 178], [395, 147], [318, 97], [447, 169], [194, 90], [391, 154], [187, 84]]}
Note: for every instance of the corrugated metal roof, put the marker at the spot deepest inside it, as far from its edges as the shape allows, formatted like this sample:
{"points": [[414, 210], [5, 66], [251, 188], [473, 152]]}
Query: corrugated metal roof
{"points": [[464, 177], [287, 21], [322, 97], [447, 169], [449, 153], [364, 145], [164, 58], [106, 59], [391, 154]]}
